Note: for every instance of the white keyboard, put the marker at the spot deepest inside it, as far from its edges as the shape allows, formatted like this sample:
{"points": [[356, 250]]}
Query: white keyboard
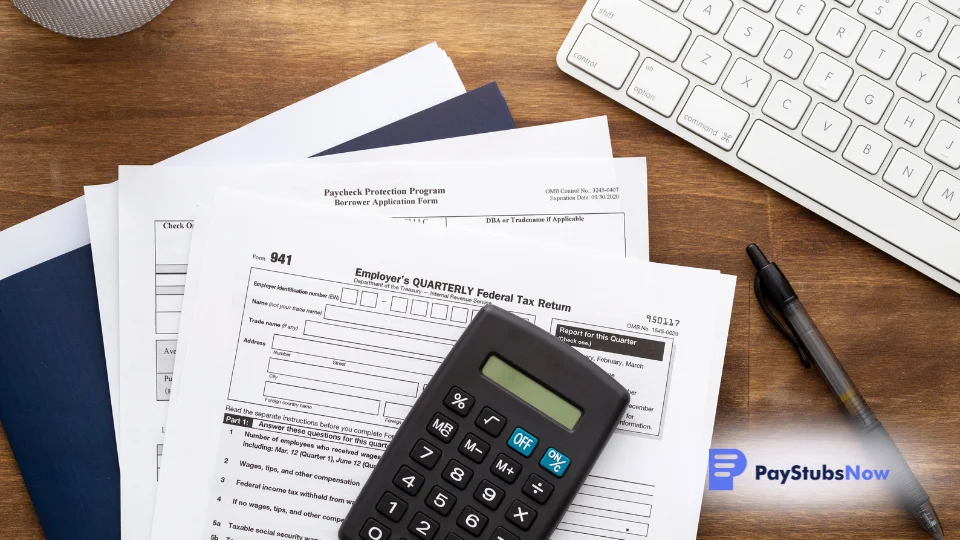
{"points": [[849, 107]]}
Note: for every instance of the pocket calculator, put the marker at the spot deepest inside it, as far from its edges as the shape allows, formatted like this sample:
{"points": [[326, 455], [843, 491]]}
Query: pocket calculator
{"points": [[498, 443]]}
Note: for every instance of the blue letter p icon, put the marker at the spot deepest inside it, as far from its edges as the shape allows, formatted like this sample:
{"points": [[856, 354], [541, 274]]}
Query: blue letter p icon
{"points": [[725, 463]]}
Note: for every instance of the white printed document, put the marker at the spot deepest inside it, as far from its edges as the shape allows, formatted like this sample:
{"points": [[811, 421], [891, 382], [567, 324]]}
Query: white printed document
{"points": [[417, 80], [306, 356], [157, 208]]}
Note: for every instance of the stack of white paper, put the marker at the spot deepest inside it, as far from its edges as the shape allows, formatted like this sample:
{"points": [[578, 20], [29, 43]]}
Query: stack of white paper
{"points": [[238, 278]]}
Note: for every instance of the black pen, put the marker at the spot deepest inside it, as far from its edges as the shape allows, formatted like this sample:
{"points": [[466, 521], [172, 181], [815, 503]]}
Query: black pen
{"points": [[804, 335]]}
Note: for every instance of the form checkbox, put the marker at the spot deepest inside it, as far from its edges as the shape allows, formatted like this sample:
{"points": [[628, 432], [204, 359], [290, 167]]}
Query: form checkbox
{"points": [[368, 299], [439, 311], [398, 304], [348, 296], [418, 307], [458, 314]]}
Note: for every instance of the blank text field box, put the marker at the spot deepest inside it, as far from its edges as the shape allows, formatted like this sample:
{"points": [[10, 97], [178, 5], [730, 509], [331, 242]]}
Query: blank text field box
{"points": [[439, 311], [419, 307], [343, 377], [348, 296], [368, 299], [380, 359], [379, 340], [398, 304], [396, 410], [459, 314], [321, 398], [386, 321], [168, 323]]}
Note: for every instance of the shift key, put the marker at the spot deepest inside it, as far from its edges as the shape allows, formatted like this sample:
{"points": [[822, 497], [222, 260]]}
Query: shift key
{"points": [[713, 118], [643, 24]]}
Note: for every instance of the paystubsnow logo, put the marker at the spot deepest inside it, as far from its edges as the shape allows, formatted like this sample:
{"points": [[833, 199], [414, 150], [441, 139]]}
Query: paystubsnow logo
{"points": [[728, 463]]}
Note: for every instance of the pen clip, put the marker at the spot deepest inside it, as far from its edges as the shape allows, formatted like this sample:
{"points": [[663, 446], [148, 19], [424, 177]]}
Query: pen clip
{"points": [[758, 290]]}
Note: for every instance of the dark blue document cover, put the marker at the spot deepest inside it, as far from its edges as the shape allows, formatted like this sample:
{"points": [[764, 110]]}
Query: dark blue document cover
{"points": [[54, 395]]}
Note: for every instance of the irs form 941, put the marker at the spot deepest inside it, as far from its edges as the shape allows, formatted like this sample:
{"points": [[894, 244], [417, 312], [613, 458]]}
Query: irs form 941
{"points": [[498, 444]]}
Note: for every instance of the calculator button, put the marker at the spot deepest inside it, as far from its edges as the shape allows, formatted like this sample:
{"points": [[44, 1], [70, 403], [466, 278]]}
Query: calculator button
{"points": [[472, 521], [373, 530], [554, 462], [441, 501], [491, 421], [425, 454], [488, 495], [522, 442], [521, 515], [391, 506], [474, 448], [408, 481], [502, 534], [506, 469], [451, 536], [537, 488], [423, 527], [442, 427], [457, 474], [459, 401]]}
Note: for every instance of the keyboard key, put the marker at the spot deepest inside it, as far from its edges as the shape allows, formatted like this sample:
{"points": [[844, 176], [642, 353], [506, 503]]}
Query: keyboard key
{"points": [[457, 474], [851, 195], [491, 421], [882, 12], [748, 32], [391, 506], [828, 77], [506, 469], [921, 77], [706, 59], [907, 172], [840, 32], [847, 3], [880, 54], [746, 82], [868, 99], [909, 121], [645, 25], [522, 442], [786, 104], [441, 501], [474, 448], [950, 100], [472, 521], [713, 118], [944, 144], [451, 536], [502, 534], [762, 5], [658, 87], [374, 530], [521, 515], [459, 401], [672, 5], [942, 195], [423, 527], [788, 54], [425, 454], [951, 6], [950, 52], [922, 27], [537, 488], [442, 427], [488, 494], [826, 127], [407, 480], [866, 150], [801, 15], [603, 56], [708, 14]]}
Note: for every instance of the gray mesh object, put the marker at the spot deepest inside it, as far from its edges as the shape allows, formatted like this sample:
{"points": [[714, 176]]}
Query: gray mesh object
{"points": [[91, 18]]}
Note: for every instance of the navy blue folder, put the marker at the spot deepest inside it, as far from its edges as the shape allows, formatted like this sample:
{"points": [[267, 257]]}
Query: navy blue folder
{"points": [[54, 396]]}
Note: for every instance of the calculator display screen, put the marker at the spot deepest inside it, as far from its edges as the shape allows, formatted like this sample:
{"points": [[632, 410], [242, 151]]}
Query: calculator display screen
{"points": [[530, 391]]}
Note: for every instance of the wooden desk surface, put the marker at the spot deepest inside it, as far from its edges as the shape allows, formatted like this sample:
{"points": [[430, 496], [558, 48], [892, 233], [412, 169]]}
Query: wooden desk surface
{"points": [[72, 110]]}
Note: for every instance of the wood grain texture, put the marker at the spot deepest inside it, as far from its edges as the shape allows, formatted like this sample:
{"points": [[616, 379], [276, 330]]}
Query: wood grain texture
{"points": [[72, 110]]}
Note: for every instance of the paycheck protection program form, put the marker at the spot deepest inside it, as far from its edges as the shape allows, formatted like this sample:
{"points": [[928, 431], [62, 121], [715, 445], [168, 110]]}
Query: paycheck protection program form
{"points": [[308, 350], [573, 201]]}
